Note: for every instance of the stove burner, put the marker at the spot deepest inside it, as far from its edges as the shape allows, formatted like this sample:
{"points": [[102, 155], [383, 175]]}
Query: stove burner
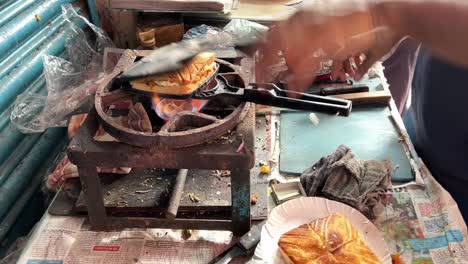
{"points": [[167, 108], [186, 128]]}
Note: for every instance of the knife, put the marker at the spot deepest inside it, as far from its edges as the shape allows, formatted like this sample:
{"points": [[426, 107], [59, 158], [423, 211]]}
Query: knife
{"points": [[341, 89], [332, 88], [244, 247]]}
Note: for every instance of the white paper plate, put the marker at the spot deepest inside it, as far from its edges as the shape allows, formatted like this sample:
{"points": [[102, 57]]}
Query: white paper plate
{"points": [[300, 211]]}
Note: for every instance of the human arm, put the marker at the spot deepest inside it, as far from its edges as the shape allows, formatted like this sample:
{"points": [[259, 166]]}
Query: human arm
{"points": [[441, 25], [371, 27]]}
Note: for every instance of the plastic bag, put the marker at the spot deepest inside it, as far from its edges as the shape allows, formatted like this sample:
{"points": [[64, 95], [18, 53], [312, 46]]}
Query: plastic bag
{"points": [[238, 30], [71, 83], [201, 31], [245, 31]]}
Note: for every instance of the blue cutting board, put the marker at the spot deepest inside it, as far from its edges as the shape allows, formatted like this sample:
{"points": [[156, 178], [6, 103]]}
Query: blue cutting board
{"points": [[368, 131]]}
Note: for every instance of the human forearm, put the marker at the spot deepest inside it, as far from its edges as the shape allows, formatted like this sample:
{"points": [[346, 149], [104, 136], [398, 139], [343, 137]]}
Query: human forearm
{"points": [[346, 29], [441, 25]]}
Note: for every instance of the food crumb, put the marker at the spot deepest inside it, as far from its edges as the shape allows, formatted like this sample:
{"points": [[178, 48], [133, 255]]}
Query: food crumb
{"points": [[253, 199], [264, 169]]}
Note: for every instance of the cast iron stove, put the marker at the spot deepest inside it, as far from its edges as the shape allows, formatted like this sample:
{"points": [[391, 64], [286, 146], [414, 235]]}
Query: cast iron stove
{"points": [[221, 137]]}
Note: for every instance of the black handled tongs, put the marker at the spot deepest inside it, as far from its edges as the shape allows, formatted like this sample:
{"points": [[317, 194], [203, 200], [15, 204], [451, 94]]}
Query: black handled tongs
{"points": [[172, 57], [271, 95]]}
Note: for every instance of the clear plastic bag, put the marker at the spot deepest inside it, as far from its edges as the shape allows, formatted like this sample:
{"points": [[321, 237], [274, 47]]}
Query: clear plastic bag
{"points": [[71, 83], [237, 31], [201, 31], [243, 30]]}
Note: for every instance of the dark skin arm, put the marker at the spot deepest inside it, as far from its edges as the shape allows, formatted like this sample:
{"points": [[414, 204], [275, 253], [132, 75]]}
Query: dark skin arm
{"points": [[372, 28]]}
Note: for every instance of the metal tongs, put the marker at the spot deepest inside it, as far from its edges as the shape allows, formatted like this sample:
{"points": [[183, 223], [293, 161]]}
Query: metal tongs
{"points": [[271, 95], [173, 56]]}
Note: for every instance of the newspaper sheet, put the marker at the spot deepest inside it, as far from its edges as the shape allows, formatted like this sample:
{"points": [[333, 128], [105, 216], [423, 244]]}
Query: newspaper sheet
{"points": [[67, 240], [424, 225]]}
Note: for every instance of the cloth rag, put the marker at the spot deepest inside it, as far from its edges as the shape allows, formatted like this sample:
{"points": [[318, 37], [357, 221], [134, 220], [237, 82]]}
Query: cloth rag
{"points": [[359, 183]]}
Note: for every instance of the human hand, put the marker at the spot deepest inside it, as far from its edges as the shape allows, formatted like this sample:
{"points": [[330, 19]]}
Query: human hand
{"points": [[360, 52], [339, 33]]}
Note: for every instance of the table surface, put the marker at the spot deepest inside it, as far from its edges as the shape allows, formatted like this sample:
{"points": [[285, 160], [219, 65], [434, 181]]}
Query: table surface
{"points": [[405, 224], [303, 143]]}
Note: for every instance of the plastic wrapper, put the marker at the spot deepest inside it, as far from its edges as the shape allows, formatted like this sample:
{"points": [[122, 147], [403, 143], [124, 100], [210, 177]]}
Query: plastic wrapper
{"points": [[201, 31], [245, 31], [71, 83], [238, 31]]}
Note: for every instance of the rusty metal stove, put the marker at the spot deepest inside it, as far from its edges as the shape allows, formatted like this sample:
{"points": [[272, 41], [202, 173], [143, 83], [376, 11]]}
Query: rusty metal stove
{"points": [[200, 148]]}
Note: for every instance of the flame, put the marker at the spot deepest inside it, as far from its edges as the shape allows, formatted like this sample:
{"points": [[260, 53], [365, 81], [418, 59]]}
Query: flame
{"points": [[156, 100], [168, 108]]}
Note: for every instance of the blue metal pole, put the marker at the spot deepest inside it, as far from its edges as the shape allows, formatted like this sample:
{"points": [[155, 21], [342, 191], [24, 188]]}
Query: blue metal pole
{"points": [[25, 24], [31, 67], [93, 13], [9, 139], [19, 204], [17, 156], [13, 9], [15, 83], [17, 56], [5, 2], [25, 171]]}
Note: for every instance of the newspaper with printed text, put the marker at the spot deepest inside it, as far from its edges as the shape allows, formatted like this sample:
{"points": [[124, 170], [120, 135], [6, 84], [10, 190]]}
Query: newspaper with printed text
{"points": [[68, 240], [423, 224]]}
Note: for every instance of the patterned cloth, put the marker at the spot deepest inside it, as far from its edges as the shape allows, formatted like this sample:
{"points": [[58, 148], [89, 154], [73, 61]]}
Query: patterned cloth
{"points": [[343, 178]]}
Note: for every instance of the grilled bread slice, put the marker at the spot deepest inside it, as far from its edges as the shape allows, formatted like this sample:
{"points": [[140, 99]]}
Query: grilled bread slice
{"points": [[328, 240], [182, 81]]}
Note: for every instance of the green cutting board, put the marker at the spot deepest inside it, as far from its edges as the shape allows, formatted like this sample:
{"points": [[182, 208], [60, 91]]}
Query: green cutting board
{"points": [[368, 131]]}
